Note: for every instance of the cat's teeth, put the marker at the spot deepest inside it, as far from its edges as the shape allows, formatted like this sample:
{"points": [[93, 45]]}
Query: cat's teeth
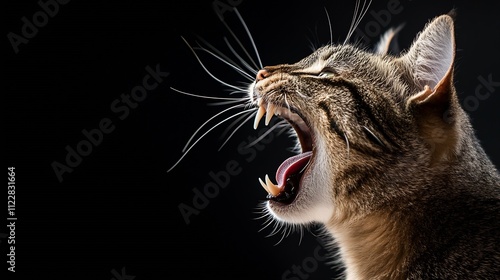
{"points": [[259, 101], [269, 186], [272, 188], [258, 116], [269, 112], [264, 185]]}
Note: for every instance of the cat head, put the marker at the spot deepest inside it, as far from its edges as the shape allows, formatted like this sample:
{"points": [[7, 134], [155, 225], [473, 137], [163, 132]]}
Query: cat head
{"points": [[367, 122]]}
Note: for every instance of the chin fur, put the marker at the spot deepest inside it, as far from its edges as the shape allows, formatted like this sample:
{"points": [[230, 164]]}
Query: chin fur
{"points": [[313, 202]]}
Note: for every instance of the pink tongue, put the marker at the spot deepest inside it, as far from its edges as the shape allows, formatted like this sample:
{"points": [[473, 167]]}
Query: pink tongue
{"points": [[291, 166]]}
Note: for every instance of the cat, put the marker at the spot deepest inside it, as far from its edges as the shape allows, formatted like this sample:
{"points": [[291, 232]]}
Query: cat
{"points": [[389, 162]]}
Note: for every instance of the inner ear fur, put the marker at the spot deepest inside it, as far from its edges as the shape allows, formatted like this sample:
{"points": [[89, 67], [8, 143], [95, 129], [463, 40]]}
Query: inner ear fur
{"points": [[435, 107]]}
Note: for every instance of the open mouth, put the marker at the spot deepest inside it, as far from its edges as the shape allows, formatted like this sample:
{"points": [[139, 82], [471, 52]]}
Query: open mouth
{"points": [[291, 171]]}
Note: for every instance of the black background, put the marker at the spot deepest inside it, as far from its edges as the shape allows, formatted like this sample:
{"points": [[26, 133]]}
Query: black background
{"points": [[117, 211]]}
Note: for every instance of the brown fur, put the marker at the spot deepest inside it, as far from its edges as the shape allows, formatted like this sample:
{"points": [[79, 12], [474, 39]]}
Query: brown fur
{"points": [[397, 175], [374, 245]]}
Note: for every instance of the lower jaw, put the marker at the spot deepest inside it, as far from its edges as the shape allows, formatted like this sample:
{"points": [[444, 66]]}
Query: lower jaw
{"points": [[301, 212], [288, 213], [292, 189], [290, 210]]}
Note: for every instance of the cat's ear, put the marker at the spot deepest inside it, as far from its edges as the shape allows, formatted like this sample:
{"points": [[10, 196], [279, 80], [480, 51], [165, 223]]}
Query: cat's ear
{"points": [[430, 63], [430, 60], [388, 41]]}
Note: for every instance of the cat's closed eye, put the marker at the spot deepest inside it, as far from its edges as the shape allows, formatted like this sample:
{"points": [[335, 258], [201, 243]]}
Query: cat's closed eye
{"points": [[327, 73]]}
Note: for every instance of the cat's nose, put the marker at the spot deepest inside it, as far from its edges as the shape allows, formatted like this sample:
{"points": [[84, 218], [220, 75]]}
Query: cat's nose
{"points": [[262, 74]]}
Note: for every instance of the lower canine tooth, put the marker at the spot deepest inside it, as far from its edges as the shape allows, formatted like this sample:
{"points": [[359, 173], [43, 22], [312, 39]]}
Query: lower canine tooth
{"points": [[272, 188], [264, 185]]}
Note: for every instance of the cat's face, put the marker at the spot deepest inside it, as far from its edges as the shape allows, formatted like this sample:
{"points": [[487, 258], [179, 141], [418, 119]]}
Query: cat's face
{"points": [[327, 98], [351, 110]]}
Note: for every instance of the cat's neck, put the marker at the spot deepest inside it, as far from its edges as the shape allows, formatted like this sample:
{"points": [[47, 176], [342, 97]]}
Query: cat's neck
{"points": [[372, 247]]}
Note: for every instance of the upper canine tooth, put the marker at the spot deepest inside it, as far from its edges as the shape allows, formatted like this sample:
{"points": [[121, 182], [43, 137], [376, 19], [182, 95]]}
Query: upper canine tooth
{"points": [[259, 101], [270, 112], [258, 116]]}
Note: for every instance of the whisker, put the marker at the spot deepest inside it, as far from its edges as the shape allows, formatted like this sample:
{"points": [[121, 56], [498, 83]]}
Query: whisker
{"points": [[261, 217], [277, 227], [357, 17], [284, 125], [226, 102], [270, 221], [240, 44], [206, 70], [239, 70], [216, 125], [300, 93], [266, 224], [262, 212], [263, 135], [250, 37], [348, 148], [247, 66], [353, 20], [374, 136], [250, 115], [364, 11], [243, 90], [330, 26], [207, 121], [289, 230], [287, 104], [312, 46], [207, 97], [301, 230], [282, 236], [362, 14], [221, 54]]}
